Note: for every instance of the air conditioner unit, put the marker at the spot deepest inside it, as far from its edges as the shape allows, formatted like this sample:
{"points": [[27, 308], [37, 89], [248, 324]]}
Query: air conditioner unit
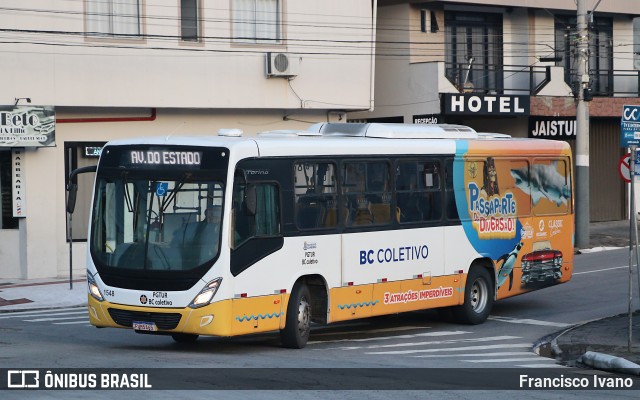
{"points": [[281, 65]]}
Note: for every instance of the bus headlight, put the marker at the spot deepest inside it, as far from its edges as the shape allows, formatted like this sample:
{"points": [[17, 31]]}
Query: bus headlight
{"points": [[206, 294], [94, 290]]}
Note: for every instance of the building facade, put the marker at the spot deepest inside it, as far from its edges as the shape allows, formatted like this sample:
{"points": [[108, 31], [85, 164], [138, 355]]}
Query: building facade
{"points": [[509, 66], [85, 72]]}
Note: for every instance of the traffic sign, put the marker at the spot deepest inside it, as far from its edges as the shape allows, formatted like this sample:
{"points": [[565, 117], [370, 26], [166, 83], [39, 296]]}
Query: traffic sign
{"points": [[624, 169], [630, 126]]}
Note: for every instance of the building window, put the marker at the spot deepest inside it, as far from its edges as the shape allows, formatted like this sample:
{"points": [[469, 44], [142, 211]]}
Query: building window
{"points": [[113, 17], [600, 52], [256, 21], [6, 205], [189, 20], [473, 51], [81, 154]]}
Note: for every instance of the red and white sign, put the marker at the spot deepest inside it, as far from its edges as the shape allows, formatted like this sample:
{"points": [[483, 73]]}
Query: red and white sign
{"points": [[624, 168]]}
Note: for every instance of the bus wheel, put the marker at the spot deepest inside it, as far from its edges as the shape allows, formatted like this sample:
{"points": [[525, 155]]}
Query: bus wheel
{"points": [[478, 298], [298, 320], [184, 337]]}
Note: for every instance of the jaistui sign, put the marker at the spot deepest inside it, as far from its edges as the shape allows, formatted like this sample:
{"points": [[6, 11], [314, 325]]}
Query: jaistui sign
{"points": [[27, 126]]}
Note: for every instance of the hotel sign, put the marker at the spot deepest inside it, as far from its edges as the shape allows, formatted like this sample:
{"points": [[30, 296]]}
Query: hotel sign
{"points": [[480, 104], [27, 126]]}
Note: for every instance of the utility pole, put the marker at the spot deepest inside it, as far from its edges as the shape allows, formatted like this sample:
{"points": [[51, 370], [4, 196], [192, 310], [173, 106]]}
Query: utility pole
{"points": [[582, 128]]}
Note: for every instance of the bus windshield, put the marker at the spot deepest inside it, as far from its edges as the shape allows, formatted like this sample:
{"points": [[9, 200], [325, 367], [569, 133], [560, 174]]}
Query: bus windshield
{"points": [[156, 219]]}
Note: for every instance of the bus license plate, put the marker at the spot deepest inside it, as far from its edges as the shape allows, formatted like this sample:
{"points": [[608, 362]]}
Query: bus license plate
{"points": [[144, 326]]}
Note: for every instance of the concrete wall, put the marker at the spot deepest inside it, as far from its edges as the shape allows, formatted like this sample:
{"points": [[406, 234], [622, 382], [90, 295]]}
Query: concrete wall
{"points": [[392, 66], [55, 63], [9, 243]]}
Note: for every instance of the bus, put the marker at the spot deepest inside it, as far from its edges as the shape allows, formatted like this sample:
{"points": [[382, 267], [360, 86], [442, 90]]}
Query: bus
{"points": [[229, 235]]}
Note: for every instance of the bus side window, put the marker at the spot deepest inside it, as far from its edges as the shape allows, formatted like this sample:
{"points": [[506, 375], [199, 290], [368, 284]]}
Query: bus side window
{"points": [[367, 192], [315, 190], [549, 184], [265, 221], [418, 191]]}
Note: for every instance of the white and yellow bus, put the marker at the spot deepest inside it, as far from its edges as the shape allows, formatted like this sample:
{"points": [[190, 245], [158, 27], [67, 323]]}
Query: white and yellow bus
{"points": [[229, 235]]}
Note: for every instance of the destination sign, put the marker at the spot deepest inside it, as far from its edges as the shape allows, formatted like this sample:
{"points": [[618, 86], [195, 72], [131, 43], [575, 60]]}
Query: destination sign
{"points": [[165, 157], [173, 159]]}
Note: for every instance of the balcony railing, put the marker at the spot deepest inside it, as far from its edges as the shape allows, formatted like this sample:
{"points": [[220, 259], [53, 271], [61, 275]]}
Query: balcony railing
{"points": [[530, 79]]}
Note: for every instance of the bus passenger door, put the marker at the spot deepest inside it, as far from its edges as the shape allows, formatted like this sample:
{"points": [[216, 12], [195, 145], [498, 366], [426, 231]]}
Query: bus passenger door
{"points": [[352, 299]]}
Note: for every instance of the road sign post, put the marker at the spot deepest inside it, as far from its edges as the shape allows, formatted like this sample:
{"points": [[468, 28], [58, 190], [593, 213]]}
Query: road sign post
{"points": [[633, 231], [630, 137]]}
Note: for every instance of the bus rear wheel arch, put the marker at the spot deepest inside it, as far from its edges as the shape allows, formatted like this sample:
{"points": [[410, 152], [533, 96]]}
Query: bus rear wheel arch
{"points": [[479, 295]]}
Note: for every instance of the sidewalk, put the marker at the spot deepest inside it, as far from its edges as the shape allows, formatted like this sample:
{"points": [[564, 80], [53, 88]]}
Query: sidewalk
{"points": [[604, 343], [40, 294], [606, 235], [607, 337]]}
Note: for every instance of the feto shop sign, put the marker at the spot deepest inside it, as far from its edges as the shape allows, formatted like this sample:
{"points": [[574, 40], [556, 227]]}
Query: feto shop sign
{"points": [[27, 126]]}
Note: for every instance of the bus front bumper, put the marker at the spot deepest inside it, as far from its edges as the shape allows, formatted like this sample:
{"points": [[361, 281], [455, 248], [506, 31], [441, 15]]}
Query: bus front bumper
{"points": [[208, 320]]}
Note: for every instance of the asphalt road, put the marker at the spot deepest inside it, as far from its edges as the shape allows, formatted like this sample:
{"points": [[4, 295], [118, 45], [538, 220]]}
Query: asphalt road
{"points": [[402, 347]]}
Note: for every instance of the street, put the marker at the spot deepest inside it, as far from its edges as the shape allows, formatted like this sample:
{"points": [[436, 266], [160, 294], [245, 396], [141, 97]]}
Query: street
{"points": [[63, 338]]}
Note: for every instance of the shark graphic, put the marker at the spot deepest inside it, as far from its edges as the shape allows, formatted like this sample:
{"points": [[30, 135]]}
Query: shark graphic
{"points": [[544, 182], [506, 269]]}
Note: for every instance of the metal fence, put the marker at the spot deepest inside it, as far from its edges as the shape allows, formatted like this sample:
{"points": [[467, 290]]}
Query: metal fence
{"points": [[530, 79]]}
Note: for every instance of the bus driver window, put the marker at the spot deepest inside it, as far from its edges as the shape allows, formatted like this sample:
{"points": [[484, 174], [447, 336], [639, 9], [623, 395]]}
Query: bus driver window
{"points": [[260, 220]]}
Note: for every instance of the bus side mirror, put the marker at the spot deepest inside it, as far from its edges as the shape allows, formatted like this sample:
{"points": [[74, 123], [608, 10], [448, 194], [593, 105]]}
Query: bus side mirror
{"points": [[72, 189], [250, 199]]}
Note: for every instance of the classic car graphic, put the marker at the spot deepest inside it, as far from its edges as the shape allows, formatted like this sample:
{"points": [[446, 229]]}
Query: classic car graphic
{"points": [[541, 266]]}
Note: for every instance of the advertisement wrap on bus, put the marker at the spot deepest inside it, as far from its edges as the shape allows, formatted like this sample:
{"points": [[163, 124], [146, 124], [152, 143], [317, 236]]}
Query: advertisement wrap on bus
{"points": [[232, 235], [518, 206]]}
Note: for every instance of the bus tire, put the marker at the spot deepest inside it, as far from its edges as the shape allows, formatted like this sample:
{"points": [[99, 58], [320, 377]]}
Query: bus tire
{"points": [[184, 337], [478, 298], [298, 319]]}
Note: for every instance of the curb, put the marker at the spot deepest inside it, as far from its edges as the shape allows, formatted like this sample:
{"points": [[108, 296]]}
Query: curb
{"points": [[593, 359], [44, 283], [8, 311], [556, 351]]}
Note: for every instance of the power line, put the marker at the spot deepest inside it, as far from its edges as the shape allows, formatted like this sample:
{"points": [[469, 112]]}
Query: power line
{"points": [[402, 27]]}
